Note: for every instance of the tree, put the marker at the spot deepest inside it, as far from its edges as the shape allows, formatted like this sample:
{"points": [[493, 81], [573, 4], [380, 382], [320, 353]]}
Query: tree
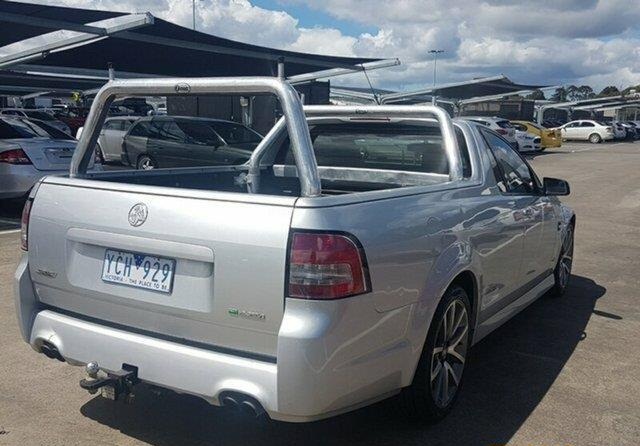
{"points": [[560, 95], [580, 93], [536, 95], [611, 90], [585, 92]]}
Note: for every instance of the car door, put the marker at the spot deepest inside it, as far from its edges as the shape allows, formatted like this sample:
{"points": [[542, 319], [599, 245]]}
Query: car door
{"points": [[204, 146], [169, 147], [587, 128], [135, 142], [571, 130], [497, 234], [532, 211], [110, 139]]}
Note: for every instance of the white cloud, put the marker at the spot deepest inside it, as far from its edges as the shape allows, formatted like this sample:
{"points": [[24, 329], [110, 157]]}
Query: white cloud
{"points": [[541, 42]]}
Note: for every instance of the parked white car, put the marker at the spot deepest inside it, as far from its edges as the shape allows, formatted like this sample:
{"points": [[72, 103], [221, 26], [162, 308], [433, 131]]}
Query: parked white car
{"points": [[111, 137], [587, 130], [498, 125], [528, 142], [40, 115]]}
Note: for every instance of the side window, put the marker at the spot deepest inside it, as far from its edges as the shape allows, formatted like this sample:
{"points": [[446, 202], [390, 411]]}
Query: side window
{"points": [[111, 125], [464, 152], [522, 128], [141, 129], [572, 124], [587, 124], [513, 172], [170, 131], [126, 125]]}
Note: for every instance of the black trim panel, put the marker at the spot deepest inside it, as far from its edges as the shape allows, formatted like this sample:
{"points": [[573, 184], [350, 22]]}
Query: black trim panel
{"points": [[513, 296]]}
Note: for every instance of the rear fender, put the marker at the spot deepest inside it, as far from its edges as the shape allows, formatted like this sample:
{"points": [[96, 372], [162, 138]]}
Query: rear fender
{"points": [[453, 261]]}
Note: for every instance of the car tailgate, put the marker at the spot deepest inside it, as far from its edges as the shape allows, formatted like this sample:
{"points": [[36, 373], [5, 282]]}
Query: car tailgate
{"points": [[228, 289]]}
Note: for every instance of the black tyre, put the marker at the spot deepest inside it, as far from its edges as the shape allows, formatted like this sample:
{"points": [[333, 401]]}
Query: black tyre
{"points": [[145, 162], [439, 375], [562, 271], [594, 138], [99, 154]]}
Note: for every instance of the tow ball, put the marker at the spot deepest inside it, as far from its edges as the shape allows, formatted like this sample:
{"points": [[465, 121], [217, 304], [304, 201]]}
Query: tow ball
{"points": [[112, 385]]}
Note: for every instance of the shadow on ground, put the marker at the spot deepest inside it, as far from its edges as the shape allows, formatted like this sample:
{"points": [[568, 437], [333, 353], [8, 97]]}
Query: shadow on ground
{"points": [[508, 375], [10, 212]]}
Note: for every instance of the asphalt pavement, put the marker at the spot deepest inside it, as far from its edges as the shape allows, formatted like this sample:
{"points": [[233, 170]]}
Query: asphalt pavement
{"points": [[563, 372]]}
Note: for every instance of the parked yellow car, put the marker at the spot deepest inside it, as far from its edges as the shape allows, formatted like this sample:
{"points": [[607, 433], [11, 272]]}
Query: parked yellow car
{"points": [[549, 137]]}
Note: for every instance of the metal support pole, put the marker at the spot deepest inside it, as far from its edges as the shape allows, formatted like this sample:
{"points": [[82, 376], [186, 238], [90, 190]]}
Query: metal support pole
{"points": [[281, 68], [194, 14]]}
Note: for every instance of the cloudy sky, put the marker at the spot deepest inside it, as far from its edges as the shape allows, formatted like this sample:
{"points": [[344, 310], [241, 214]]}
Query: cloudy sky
{"points": [[552, 42]]}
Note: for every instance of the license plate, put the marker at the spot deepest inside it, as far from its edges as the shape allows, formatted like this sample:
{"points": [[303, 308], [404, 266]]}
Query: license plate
{"points": [[138, 270]]}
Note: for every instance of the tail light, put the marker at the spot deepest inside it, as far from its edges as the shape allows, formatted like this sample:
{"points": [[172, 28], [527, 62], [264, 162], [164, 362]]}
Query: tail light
{"points": [[14, 156], [24, 223], [609, 130], [326, 266]]}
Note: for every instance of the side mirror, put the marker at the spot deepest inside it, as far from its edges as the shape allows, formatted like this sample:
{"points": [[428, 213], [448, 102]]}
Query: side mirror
{"points": [[554, 186]]}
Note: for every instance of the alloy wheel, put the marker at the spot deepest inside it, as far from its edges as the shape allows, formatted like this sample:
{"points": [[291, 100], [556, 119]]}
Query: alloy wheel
{"points": [[566, 259], [449, 354], [146, 163]]}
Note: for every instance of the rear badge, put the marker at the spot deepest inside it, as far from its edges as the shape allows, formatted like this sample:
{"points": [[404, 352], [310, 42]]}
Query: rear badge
{"points": [[138, 214], [49, 274], [245, 314]]}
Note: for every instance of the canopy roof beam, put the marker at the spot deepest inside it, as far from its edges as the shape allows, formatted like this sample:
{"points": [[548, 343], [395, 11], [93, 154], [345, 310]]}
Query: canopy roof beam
{"points": [[310, 77], [39, 52], [51, 24]]}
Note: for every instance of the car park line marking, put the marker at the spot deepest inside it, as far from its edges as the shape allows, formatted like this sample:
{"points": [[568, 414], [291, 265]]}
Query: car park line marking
{"points": [[10, 231]]}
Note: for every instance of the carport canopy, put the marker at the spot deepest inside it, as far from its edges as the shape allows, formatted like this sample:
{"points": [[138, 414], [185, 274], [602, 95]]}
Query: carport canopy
{"points": [[484, 88], [151, 47]]}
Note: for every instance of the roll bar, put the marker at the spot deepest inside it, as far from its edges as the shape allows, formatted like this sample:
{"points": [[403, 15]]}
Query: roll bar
{"points": [[372, 111], [294, 117]]}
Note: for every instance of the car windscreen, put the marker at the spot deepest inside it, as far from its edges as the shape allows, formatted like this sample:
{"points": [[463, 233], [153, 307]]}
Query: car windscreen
{"points": [[235, 133], [386, 146], [39, 115]]}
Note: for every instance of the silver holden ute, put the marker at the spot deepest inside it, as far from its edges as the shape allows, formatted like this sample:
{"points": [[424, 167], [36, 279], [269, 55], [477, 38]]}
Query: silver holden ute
{"points": [[358, 255]]}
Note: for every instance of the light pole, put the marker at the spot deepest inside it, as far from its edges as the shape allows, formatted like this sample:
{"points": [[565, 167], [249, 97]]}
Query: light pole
{"points": [[435, 63], [193, 3]]}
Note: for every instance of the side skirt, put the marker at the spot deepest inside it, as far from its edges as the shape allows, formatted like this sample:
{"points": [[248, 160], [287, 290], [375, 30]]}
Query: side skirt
{"points": [[512, 309]]}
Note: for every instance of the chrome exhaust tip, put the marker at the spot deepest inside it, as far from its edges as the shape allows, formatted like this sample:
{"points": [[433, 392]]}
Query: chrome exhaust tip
{"points": [[51, 351]]}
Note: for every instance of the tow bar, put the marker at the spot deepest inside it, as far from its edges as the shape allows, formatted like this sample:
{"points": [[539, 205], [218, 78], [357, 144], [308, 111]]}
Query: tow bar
{"points": [[112, 385]]}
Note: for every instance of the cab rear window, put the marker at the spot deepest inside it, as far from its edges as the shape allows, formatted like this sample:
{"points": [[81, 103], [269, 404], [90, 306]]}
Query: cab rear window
{"points": [[385, 146]]}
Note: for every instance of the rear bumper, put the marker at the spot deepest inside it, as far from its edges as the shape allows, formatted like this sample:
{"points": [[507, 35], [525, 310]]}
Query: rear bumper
{"points": [[332, 357]]}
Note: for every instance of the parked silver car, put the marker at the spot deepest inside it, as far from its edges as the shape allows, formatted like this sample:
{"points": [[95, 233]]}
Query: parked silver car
{"points": [[359, 254], [111, 137], [30, 149], [40, 115]]}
